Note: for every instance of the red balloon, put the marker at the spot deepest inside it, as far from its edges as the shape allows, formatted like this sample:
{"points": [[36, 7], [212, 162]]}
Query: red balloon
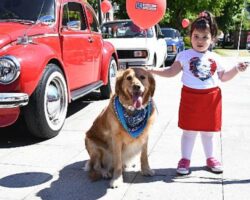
{"points": [[185, 23], [106, 6], [146, 13]]}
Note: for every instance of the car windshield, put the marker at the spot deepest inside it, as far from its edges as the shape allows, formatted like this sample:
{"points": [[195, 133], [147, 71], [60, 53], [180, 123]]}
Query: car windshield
{"points": [[125, 29], [168, 33], [26, 10]]}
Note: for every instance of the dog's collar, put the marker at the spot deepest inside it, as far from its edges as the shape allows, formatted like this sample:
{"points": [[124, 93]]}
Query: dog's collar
{"points": [[135, 122]]}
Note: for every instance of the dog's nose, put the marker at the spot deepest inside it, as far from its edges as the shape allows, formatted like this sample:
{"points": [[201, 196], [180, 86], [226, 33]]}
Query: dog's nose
{"points": [[136, 87]]}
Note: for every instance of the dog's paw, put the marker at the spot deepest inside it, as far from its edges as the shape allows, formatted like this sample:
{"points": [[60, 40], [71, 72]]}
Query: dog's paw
{"points": [[106, 174], [148, 172], [87, 167], [115, 183]]}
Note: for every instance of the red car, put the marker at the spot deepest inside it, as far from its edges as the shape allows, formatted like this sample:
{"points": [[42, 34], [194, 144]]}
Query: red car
{"points": [[51, 53]]}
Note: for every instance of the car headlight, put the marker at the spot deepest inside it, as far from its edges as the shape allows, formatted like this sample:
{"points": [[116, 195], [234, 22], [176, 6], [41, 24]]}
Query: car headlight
{"points": [[171, 48], [140, 54], [9, 69]]}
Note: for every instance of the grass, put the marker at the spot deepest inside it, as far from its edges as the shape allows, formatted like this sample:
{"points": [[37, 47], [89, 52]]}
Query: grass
{"points": [[233, 52]]}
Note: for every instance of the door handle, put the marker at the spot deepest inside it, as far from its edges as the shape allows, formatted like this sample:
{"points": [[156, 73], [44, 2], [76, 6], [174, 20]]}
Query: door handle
{"points": [[90, 39]]}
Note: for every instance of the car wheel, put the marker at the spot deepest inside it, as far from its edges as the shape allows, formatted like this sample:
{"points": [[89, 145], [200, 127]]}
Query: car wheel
{"points": [[107, 90], [47, 108]]}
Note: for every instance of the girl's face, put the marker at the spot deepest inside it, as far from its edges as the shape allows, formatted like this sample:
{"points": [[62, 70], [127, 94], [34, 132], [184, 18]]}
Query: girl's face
{"points": [[201, 40]]}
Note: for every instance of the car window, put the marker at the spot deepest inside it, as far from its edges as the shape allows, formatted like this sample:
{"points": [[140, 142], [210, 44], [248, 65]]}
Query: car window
{"points": [[125, 29], [178, 34], [73, 15], [168, 33], [26, 9], [93, 23]]}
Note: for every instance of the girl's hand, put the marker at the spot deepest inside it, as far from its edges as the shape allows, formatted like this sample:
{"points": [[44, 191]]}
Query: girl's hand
{"points": [[242, 66]]}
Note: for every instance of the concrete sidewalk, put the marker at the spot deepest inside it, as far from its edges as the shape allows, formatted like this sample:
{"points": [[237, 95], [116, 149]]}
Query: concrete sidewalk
{"points": [[52, 169]]}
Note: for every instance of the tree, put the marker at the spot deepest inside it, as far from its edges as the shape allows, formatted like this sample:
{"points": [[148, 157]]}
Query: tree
{"points": [[122, 13], [227, 12], [231, 15]]}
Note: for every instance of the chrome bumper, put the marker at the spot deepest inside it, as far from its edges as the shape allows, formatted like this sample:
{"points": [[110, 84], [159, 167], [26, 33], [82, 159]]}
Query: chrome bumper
{"points": [[170, 56], [13, 100], [125, 65]]}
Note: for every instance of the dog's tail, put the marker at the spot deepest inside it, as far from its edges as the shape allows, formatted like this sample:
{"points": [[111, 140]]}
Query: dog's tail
{"points": [[94, 175]]}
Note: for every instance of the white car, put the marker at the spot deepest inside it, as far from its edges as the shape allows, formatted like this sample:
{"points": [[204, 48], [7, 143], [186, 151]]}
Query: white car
{"points": [[134, 46]]}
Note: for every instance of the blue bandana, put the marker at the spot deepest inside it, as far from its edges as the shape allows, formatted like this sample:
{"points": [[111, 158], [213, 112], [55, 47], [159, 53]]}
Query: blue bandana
{"points": [[133, 123]]}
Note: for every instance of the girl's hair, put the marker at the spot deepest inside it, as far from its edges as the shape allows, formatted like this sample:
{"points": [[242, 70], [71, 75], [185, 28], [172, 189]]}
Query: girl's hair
{"points": [[205, 21]]}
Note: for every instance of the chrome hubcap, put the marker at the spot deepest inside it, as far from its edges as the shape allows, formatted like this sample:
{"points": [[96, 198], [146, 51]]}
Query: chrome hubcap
{"points": [[56, 101], [53, 100], [112, 75]]}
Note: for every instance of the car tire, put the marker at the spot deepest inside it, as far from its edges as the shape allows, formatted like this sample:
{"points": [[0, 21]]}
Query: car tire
{"points": [[47, 108], [107, 90]]}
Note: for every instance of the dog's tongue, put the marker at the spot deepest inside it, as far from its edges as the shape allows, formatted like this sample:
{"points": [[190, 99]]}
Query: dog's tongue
{"points": [[137, 101]]}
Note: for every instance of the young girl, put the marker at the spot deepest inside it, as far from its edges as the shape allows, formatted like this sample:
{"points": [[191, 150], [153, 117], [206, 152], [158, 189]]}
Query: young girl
{"points": [[200, 105]]}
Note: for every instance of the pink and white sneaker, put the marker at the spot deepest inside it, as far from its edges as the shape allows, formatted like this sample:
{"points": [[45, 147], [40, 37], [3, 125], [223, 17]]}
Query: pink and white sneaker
{"points": [[214, 165], [183, 167]]}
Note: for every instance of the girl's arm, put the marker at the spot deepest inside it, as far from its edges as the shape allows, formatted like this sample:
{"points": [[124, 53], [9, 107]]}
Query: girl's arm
{"points": [[228, 75], [171, 71]]}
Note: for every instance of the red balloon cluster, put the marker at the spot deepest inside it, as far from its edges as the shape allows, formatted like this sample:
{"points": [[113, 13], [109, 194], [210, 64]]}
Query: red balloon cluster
{"points": [[185, 23], [146, 13], [105, 6]]}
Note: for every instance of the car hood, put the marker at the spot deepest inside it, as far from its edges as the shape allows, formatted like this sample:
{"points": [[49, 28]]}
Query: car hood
{"points": [[132, 43], [4, 39], [171, 41], [9, 32]]}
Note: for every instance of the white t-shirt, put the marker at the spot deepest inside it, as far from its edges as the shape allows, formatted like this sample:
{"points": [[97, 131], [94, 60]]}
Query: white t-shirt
{"points": [[200, 69]]}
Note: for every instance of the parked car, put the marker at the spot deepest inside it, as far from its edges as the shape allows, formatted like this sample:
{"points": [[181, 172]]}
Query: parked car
{"points": [[248, 45], [174, 42], [51, 53], [135, 47], [248, 41]]}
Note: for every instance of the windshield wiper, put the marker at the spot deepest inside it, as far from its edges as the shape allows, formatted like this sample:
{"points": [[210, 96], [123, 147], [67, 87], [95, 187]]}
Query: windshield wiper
{"points": [[21, 21]]}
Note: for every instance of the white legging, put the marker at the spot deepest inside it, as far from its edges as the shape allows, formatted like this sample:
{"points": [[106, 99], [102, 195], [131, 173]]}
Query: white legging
{"points": [[188, 139]]}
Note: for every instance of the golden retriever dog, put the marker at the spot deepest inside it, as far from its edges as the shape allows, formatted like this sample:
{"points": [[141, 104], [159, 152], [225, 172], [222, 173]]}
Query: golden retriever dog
{"points": [[121, 130]]}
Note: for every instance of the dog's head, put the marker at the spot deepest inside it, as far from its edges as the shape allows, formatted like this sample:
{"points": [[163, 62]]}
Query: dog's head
{"points": [[135, 86]]}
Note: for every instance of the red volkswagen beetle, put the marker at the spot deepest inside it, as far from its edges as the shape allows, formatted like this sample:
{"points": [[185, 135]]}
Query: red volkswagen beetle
{"points": [[51, 53]]}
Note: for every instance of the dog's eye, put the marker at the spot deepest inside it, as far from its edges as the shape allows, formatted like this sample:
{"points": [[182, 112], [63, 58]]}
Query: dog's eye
{"points": [[142, 77], [129, 78]]}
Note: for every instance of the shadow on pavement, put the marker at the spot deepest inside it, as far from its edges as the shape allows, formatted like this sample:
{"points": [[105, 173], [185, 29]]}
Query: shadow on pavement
{"points": [[210, 180], [17, 134], [73, 183], [189, 179], [81, 103], [26, 179]]}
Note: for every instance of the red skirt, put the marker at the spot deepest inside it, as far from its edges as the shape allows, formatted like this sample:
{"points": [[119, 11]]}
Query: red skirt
{"points": [[200, 109]]}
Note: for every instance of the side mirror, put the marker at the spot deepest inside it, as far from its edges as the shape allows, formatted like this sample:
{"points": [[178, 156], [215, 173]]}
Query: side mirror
{"points": [[46, 20]]}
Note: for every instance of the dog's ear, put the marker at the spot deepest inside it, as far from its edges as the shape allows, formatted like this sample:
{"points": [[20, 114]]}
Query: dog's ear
{"points": [[151, 80], [118, 84]]}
